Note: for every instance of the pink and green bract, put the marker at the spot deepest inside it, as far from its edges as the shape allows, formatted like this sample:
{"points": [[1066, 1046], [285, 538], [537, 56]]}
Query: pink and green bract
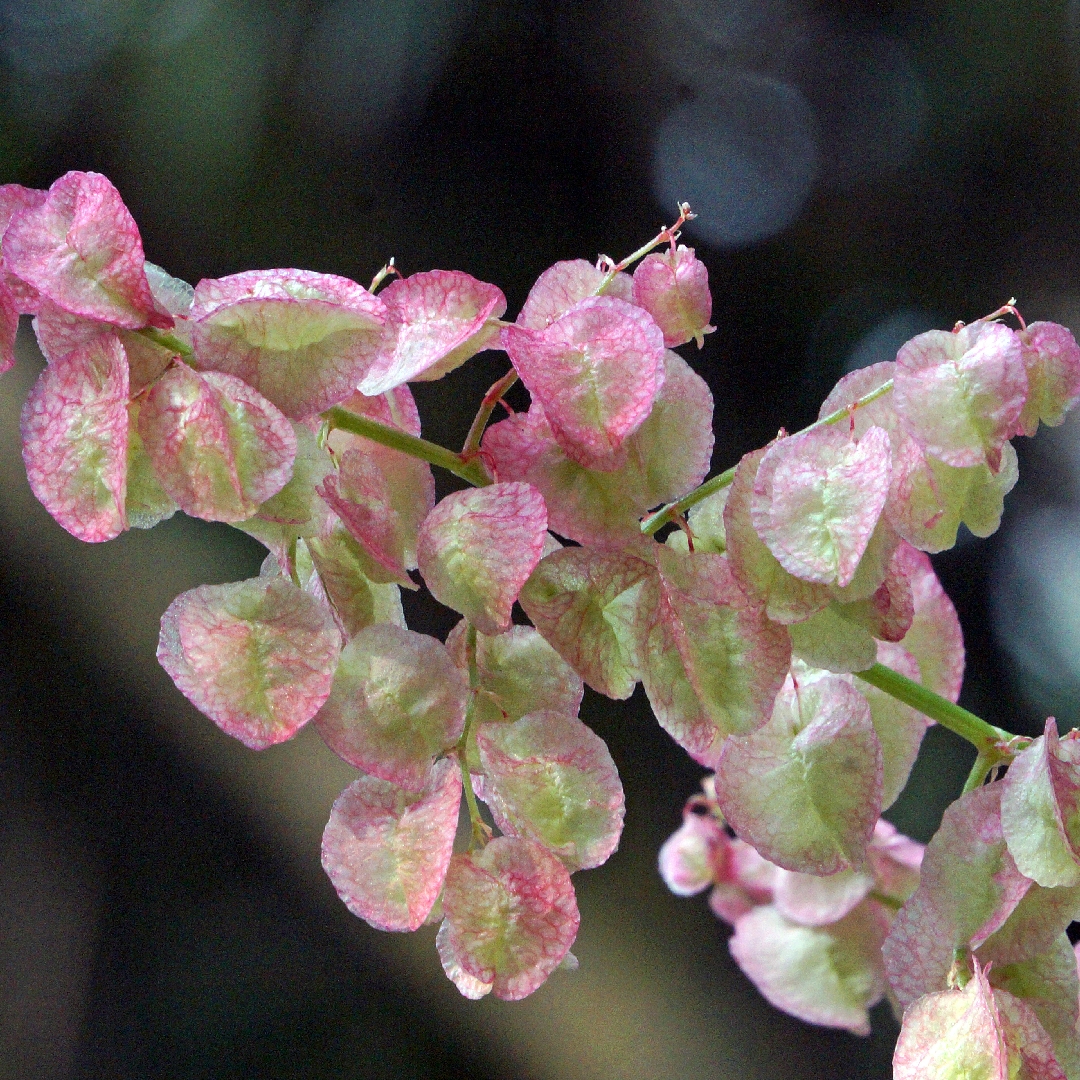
{"points": [[789, 630]]}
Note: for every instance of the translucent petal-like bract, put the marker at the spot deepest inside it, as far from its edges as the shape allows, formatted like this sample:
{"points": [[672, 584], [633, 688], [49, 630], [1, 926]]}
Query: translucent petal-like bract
{"points": [[75, 440], [518, 673], [303, 340], [826, 975], [595, 371], [256, 656], [960, 394], [511, 917], [674, 289], [693, 857], [477, 548], [787, 599], [381, 494], [435, 322], [563, 286], [550, 778], [817, 499], [974, 1032], [1040, 809], [219, 448], [81, 249], [398, 702], [805, 789], [585, 603], [712, 662], [386, 850], [357, 600], [1052, 361], [968, 888], [666, 457]]}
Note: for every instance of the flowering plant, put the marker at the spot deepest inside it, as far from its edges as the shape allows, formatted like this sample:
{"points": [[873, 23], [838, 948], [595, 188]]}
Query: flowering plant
{"points": [[790, 632]]}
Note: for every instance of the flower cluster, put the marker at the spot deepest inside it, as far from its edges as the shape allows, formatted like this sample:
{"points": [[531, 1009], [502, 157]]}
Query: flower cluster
{"points": [[788, 924], [790, 633]]}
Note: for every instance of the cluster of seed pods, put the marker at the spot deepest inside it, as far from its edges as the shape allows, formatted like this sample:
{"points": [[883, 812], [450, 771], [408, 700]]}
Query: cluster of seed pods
{"points": [[278, 401]]}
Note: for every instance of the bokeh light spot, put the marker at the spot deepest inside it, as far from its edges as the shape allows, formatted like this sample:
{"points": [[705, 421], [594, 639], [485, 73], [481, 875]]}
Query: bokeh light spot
{"points": [[744, 155]]}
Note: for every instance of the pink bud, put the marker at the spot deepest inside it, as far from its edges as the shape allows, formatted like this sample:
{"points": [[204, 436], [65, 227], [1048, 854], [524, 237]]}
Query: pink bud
{"points": [[693, 857]]}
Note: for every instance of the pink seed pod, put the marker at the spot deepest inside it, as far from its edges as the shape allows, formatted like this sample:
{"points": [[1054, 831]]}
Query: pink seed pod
{"points": [[674, 289], [81, 249], [386, 850], [596, 372], [511, 917]]}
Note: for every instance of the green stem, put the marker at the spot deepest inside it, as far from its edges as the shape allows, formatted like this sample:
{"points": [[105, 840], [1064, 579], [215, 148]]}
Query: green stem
{"points": [[663, 237], [483, 415], [480, 831], [472, 471], [890, 902], [847, 410], [986, 738], [666, 514], [983, 764], [294, 572], [166, 341]]}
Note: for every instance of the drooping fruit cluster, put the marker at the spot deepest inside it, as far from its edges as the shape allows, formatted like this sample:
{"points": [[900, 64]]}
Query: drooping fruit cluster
{"points": [[791, 634]]}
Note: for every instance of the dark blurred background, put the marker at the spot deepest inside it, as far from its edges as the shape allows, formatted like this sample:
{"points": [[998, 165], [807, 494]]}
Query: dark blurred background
{"points": [[863, 171]]}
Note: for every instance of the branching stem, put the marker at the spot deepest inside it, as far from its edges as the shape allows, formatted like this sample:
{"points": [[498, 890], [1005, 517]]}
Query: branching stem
{"points": [[991, 742], [665, 236], [473, 471], [487, 406], [979, 770]]}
